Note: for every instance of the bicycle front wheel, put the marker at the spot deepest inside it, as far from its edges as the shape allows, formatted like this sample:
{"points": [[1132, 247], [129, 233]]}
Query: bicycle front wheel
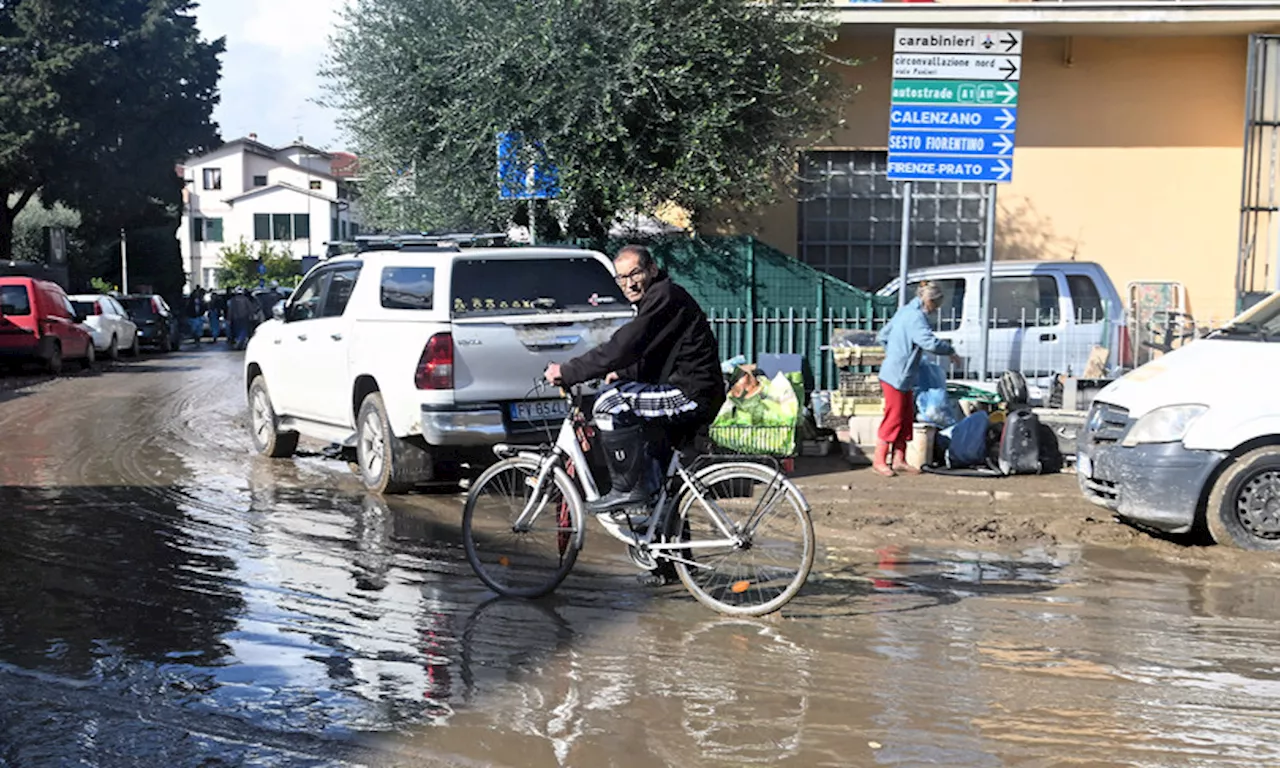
{"points": [[772, 563], [527, 560]]}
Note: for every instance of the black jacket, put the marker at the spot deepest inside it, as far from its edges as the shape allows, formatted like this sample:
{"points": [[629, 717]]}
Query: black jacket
{"points": [[668, 322]]}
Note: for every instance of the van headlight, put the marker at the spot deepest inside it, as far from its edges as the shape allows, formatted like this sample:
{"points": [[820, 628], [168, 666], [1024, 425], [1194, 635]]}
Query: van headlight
{"points": [[1164, 425]]}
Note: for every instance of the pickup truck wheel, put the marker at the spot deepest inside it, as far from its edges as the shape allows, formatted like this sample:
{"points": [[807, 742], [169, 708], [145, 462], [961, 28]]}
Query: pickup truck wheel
{"points": [[264, 425], [387, 464], [1244, 505]]}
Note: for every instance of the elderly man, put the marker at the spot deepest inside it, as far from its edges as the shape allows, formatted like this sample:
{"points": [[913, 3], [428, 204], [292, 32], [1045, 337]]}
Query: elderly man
{"points": [[663, 368]]}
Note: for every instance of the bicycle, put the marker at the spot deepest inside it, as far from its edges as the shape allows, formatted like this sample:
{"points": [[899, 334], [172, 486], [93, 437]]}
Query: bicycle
{"points": [[554, 481]]}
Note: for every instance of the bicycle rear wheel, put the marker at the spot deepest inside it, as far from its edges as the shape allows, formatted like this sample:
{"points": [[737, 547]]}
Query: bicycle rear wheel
{"points": [[526, 563], [764, 574]]}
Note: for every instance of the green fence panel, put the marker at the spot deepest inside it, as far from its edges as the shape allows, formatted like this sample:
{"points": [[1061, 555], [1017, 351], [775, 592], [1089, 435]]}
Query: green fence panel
{"points": [[760, 300]]}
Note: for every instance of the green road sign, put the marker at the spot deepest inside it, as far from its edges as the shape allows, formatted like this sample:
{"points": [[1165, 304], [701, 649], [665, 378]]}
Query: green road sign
{"points": [[1003, 94]]}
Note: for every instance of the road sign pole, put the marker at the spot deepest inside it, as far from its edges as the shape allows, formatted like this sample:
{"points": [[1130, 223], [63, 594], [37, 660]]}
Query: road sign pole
{"points": [[988, 261], [904, 254]]}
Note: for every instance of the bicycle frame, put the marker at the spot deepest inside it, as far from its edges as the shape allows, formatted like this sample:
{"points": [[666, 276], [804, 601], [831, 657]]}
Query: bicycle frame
{"points": [[567, 452]]}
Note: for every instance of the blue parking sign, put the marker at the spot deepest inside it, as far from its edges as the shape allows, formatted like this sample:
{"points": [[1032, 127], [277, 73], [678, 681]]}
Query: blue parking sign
{"points": [[525, 172]]}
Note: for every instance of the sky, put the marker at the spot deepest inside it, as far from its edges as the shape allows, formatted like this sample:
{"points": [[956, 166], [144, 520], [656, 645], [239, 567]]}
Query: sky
{"points": [[270, 70]]}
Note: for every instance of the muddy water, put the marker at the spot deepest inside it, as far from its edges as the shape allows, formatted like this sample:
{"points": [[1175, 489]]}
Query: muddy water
{"points": [[168, 599]]}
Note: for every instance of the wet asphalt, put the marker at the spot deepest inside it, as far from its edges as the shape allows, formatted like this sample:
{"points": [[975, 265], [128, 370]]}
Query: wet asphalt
{"points": [[169, 599]]}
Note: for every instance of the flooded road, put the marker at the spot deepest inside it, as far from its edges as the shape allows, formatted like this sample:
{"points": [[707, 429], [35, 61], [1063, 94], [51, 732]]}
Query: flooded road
{"points": [[167, 598]]}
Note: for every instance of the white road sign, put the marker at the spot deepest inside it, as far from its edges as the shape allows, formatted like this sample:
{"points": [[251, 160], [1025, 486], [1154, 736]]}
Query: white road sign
{"points": [[943, 66], [975, 41]]}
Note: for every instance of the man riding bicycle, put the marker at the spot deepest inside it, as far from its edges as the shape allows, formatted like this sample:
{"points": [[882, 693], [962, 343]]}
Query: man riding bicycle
{"points": [[662, 368]]}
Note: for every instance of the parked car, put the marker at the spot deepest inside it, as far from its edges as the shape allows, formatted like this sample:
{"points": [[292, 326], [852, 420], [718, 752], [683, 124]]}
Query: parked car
{"points": [[38, 323], [158, 326], [1194, 437], [1047, 316], [108, 323], [418, 355]]}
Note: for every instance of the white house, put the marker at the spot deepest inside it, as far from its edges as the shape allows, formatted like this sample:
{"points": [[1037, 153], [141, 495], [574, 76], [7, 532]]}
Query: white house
{"points": [[298, 197]]}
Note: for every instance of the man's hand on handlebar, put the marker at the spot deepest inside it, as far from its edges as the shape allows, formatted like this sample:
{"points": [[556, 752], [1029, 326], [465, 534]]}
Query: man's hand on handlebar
{"points": [[552, 374], [610, 377]]}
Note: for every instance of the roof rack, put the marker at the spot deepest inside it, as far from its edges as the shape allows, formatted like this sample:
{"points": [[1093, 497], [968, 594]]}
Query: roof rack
{"points": [[449, 241]]}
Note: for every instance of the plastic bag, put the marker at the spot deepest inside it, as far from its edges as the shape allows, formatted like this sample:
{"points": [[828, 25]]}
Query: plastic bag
{"points": [[759, 416], [933, 406]]}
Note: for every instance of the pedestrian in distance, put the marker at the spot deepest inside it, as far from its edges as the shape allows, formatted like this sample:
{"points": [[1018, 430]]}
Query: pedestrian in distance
{"points": [[240, 313], [195, 313], [217, 302], [906, 339]]}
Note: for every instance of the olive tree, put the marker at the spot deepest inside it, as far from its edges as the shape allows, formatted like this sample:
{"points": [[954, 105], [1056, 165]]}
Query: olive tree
{"points": [[637, 103]]}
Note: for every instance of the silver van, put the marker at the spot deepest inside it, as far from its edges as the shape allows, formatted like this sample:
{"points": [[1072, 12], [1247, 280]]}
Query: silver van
{"points": [[1047, 316]]}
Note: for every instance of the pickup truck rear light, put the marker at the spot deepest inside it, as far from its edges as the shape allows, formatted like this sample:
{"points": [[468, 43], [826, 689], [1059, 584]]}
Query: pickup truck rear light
{"points": [[435, 366]]}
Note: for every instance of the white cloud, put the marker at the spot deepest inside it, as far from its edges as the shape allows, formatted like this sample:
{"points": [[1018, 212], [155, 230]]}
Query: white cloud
{"points": [[270, 71]]}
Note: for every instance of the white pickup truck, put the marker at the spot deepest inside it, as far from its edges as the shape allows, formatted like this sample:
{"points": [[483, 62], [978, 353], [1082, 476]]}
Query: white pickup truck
{"points": [[416, 354]]}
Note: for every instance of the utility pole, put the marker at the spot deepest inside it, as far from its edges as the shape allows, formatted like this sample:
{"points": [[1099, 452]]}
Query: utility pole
{"points": [[124, 264]]}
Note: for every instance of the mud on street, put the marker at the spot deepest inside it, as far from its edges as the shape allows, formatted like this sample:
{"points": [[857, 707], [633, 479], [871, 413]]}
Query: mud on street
{"points": [[168, 598]]}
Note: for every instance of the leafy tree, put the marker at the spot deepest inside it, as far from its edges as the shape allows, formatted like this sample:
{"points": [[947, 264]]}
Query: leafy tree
{"points": [[101, 98], [29, 226], [637, 102], [240, 265]]}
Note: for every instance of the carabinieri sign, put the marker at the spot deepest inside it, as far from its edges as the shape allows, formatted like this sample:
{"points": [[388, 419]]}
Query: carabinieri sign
{"points": [[954, 107]]}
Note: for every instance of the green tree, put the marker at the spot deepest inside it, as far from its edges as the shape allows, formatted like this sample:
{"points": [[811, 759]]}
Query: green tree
{"points": [[100, 99], [240, 265], [29, 226], [637, 102]]}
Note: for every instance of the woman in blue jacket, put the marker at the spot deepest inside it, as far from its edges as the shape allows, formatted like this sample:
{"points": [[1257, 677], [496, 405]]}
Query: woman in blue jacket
{"points": [[905, 339]]}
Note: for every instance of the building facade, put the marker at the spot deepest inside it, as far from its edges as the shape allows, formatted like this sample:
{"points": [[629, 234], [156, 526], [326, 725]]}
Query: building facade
{"points": [[1132, 151], [296, 197]]}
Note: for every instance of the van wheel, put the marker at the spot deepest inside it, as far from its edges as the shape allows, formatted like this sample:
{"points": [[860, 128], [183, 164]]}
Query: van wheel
{"points": [[264, 425], [53, 361], [387, 464], [1244, 506]]}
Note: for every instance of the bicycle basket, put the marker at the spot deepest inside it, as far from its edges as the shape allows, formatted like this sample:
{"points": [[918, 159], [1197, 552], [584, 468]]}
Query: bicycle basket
{"points": [[755, 440]]}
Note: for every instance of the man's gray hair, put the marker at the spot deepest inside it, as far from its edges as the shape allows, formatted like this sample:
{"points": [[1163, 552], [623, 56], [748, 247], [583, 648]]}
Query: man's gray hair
{"points": [[642, 254], [930, 292]]}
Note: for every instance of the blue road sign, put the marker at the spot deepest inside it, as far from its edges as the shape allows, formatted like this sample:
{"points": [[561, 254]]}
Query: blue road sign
{"points": [[930, 118], [904, 143], [524, 170], [950, 168]]}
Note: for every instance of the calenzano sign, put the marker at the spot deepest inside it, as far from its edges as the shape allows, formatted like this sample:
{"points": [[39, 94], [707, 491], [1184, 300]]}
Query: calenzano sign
{"points": [[954, 108]]}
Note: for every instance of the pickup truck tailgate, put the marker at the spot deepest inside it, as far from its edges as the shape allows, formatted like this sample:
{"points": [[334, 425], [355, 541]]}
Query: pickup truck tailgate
{"points": [[498, 359]]}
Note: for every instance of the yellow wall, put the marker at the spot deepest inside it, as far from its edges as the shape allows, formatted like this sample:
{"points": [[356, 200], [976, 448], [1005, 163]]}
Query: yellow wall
{"points": [[1129, 156]]}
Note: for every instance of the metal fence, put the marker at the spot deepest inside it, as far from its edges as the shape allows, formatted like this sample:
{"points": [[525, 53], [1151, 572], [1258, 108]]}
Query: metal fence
{"points": [[1037, 344]]}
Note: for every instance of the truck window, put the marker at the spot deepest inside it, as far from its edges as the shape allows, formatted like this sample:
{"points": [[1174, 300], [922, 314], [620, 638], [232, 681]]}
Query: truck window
{"points": [[951, 310], [1021, 302], [408, 287], [513, 286], [1086, 299], [14, 300]]}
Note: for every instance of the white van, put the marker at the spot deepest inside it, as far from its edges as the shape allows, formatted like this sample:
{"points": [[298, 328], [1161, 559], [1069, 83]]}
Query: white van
{"points": [[1047, 316], [1194, 435]]}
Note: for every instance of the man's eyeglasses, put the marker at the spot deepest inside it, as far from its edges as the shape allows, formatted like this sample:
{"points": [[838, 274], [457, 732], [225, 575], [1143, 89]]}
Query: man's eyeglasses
{"points": [[630, 277]]}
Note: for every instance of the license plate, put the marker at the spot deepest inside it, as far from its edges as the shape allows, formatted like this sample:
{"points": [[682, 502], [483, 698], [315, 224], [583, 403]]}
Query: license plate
{"points": [[539, 410], [1084, 466]]}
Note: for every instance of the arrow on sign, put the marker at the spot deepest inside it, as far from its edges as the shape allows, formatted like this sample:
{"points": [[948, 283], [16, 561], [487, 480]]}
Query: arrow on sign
{"points": [[1009, 68], [1005, 119], [1009, 94], [1010, 42], [1003, 145], [1004, 169]]}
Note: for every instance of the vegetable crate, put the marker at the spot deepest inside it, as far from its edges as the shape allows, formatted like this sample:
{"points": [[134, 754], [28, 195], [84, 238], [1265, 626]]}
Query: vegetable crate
{"points": [[859, 385], [755, 440]]}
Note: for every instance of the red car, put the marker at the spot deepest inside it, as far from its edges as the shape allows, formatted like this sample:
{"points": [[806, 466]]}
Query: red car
{"points": [[37, 322]]}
